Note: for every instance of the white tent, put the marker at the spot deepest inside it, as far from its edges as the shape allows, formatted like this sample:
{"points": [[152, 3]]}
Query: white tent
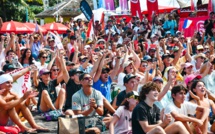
{"points": [[97, 14]]}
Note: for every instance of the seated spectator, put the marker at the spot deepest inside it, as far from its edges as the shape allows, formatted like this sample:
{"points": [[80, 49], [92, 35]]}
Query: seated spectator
{"points": [[11, 105], [121, 121], [146, 115], [179, 109], [87, 101], [48, 99], [198, 96]]}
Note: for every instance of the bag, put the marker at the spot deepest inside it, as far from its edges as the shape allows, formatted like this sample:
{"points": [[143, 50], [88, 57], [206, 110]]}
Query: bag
{"points": [[77, 125], [52, 115]]}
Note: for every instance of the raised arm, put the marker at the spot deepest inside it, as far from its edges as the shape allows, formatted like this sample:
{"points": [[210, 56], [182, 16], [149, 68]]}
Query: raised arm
{"points": [[64, 70], [22, 72], [99, 70], [117, 66], [176, 58], [95, 66], [135, 56]]}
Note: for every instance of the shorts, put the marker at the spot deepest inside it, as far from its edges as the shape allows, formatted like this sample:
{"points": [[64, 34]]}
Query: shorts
{"points": [[40, 111]]}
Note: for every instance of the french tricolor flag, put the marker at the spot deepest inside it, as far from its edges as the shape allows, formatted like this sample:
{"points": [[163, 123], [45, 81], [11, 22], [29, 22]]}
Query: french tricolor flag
{"points": [[187, 24]]}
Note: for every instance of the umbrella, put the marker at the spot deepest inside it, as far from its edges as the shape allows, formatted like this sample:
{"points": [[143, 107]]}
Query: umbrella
{"points": [[32, 26], [13, 26], [58, 27]]}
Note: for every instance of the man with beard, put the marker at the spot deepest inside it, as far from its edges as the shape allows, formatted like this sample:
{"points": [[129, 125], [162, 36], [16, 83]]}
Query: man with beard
{"points": [[87, 101]]}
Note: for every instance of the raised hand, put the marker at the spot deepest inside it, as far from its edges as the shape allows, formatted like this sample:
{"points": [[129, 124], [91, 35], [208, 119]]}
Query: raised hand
{"points": [[194, 96], [30, 94]]}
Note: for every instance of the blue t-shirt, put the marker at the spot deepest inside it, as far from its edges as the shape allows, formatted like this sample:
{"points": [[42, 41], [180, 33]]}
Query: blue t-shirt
{"points": [[104, 88]]}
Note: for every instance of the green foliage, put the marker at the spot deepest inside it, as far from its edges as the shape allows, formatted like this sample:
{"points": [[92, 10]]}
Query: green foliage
{"points": [[16, 9]]}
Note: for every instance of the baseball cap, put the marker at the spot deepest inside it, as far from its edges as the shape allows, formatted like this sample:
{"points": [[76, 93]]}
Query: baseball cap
{"points": [[22, 48], [8, 66], [105, 69], [132, 94], [5, 77], [51, 39], [175, 48], [72, 37], [127, 63], [188, 65], [191, 77], [147, 57], [44, 71], [157, 78], [74, 71], [199, 47], [178, 32], [128, 77], [168, 32], [68, 63], [165, 56]]}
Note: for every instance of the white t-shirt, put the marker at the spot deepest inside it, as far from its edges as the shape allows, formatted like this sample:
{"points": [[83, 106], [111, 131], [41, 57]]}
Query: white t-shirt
{"points": [[186, 108], [123, 126], [39, 66], [120, 81]]}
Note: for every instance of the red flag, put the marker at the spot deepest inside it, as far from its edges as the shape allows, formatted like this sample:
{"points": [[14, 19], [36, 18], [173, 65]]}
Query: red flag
{"points": [[135, 8], [152, 6], [192, 7], [210, 7], [90, 30]]}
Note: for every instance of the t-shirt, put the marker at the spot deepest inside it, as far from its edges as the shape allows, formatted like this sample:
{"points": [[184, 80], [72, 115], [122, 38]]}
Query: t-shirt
{"points": [[209, 81], [81, 102], [120, 97], [185, 109], [71, 89], [123, 126], [104, 88], [143, 112], [50, 88]]}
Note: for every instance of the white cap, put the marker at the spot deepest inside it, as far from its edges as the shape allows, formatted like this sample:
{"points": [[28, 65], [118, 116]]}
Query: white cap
{"points": [[5, 77]]}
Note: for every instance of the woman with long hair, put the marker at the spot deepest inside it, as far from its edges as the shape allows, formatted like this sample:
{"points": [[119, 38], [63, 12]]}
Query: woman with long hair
{"points": [[198, 95], [26, 59], [121, 121]]}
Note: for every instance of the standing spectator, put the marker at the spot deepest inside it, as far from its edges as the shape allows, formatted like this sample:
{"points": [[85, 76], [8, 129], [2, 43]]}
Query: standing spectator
{"points": [[170, 25], [209, 25]]}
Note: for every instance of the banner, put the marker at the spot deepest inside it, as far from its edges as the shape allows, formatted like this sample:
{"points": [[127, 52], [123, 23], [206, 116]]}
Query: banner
{"points": [[135, 8], [23, 84], [197, 25], [86, 10], [102, 4], [152, 6], [123, 4], [109, 5], [57, 40]]}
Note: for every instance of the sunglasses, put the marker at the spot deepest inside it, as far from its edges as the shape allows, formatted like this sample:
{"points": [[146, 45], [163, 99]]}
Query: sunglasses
{"points": [[88, 78], [46, 73], [44, 57], [55, 70], [144, 65], [134, 97]]}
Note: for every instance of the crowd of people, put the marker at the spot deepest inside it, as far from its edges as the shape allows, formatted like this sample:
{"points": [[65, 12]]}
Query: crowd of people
{"points": [[142, 76]]}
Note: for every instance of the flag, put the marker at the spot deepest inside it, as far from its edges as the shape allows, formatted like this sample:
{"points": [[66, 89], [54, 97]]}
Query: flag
{"points": [[152, 6], [187, 23], [90, 30], [135, 8], [36, 27], [57, 40], [101, 4], [86, 10], [99, 15], [22, 84], [109, 5], [210, 7], [192, 7], [123, 4]]}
